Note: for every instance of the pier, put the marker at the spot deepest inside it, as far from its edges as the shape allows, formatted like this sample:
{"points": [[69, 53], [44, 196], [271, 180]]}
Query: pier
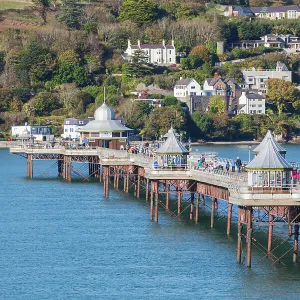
{"points": [[271, 202]]}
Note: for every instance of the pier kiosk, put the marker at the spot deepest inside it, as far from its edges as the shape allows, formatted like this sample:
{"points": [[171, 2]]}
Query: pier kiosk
{"points": [[105, 131], [262, 145], [172, 153]]}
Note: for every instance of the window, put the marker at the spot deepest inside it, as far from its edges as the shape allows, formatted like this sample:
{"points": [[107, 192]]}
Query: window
{"points": [[259, 105], [192, 87], [250, 79], [66, 129], [170, 52], [71, 129], [285, 77], [170, 59], [260, 80], [80, 122], [259, 111], [67, 122]]}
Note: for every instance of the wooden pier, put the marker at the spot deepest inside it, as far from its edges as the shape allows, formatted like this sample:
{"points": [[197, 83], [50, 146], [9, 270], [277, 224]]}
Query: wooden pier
{"points": [[190, 187]]}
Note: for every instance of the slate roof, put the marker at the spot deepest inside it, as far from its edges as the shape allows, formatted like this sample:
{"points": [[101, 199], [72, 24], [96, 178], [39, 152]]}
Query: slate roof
{"points": [[185, 81], [262, 145], [255, 96], [269, 159], [213, 81], [172, 146], [105, 125]]}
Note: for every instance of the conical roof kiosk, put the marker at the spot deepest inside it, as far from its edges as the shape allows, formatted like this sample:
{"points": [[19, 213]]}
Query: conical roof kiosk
{"points": [[169, 133], [262, 145], [269, 169], [172, 153]]}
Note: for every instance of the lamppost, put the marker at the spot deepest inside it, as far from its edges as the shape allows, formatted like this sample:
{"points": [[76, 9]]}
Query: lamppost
{"points": [[142, 141], [190, 145], [249, 153], [156, 135]]}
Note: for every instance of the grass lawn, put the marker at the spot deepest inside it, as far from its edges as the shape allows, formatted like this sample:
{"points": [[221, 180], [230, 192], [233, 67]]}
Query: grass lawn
{"points": [[4, 5]]}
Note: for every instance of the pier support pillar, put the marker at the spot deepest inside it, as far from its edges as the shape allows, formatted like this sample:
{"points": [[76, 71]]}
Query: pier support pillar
{"points": [[106, 182], [156, 206], [67, 168], [179, 197], [270, 233], [167, 196], [212, 217], [192, 205], [296, 238], [197, 208], [239, 241], [147, 189], [138, 189], [229, 217], [100, 173], [117, 179], [60, 167], [249, 237], [151, 201], [29, 166]]}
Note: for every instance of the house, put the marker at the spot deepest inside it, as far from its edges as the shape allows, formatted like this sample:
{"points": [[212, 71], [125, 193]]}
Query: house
{"points": [[251, 103], [185, 88], [225, 87], [238, 11], [71, 125], [254, 79], [38, 132], [279, 12], [269, 40], [160, 54], [143, 91], [200, 103]]}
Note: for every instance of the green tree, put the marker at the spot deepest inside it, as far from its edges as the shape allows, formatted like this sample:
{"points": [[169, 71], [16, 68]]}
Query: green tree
{"points": [[203, 122], [202, 52], [70, 14], [217, 104], [170, 100], [138, 11], [138, 65], [43, 104], [42, 7], [281, 93]]}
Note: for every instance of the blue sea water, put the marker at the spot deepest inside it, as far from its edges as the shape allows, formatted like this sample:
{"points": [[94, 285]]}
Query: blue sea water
{"points": [[64, 240]]}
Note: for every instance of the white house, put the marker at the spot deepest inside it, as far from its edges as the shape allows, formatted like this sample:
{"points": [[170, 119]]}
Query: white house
{"points": [[184, 88], [71, 125], [40, 133], [160, 54], [255, 78], [251, 103]]}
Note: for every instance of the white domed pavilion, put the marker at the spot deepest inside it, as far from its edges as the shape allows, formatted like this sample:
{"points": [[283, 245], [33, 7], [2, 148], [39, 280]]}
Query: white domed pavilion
{"points": [[105, 131]]}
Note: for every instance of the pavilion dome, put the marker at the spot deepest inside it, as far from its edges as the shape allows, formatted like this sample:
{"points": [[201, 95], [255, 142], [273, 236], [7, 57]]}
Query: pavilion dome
{"points": [[104, 113], [170, 132]]}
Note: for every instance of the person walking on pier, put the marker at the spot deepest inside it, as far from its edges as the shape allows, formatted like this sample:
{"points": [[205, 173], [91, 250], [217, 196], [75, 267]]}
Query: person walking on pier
{"points": [[238, 164], [233, 166], [227, 166]]}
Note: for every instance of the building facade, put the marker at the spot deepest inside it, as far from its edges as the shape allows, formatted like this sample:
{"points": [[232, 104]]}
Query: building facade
{"points": [[71, 125], [105, 130], [275, 13], [39, 132], [256, 79], [251, 103], [160, 54]]}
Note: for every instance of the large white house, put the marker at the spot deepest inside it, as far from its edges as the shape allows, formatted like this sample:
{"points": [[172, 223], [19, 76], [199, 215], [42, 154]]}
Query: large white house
{"points": [[251, 103], [71, 125], [256, 79], [160, 54]]}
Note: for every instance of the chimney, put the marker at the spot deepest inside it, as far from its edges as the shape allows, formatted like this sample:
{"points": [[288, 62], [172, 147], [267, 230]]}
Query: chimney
{"points": [[129, 44], [216, 75], [139, 43], [164, 43]]}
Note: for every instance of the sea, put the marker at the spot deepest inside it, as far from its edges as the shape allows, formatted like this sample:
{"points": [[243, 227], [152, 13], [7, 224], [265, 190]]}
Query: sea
{"points": [[62, 240]]}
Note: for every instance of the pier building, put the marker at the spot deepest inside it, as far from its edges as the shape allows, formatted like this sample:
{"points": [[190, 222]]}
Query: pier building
{"points": [[105, 131], [261, 197]]}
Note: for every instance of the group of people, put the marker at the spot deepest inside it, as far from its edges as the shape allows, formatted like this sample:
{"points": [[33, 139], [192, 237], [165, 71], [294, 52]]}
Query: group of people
{"points": [[216, 165]]}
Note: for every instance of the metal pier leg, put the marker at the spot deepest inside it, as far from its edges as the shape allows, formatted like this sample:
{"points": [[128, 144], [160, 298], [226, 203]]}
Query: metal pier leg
{"points": [[296, 238], [192, 206], [138, 186], [156, 206], [167, 196], [151, 200], [239, 241], [212, 217], [106, 182], [59, 167], [179, 202], [249, 237], [118, 178], [101, 173], [115, 178], [229, 217], [270, 233], [68, 168], [197, 208], [29, 166], [147, 189]]}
